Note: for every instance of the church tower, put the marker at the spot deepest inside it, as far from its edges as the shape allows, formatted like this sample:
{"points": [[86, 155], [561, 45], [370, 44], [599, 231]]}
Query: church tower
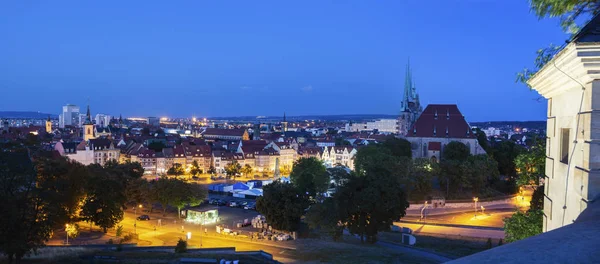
{"points": [[88, 126], [284, 124], [48, 125], [410, 107]]}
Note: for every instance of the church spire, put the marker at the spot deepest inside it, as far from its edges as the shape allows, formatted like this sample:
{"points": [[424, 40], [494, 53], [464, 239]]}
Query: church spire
{"points": [[88, 116], [407, 88]]}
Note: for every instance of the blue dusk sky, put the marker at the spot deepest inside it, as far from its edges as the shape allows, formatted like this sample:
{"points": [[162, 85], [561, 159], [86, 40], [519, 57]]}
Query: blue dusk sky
{"points": [[232, 58]]}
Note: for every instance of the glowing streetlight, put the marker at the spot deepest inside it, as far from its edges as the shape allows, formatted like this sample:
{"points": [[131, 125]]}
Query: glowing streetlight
{"points": [[67, 231], [189, 236], [482, 210], [475, 199], [135, 219], [423, 210]]}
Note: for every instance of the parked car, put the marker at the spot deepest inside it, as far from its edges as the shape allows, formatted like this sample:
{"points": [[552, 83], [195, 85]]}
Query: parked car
{"points": [[232, 204], [250, 206], [221, 203], [143, 218]]}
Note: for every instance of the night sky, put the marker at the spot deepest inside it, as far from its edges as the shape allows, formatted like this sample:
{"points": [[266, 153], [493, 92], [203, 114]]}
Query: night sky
{"points": [[230, 58]]}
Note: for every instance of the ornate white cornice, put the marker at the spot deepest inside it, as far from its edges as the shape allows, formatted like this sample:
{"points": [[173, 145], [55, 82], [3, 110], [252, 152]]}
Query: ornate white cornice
{"points": [[576, 65]]}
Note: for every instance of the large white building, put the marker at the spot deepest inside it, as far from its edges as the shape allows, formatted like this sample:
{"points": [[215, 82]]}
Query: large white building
{"points": [[102, 120], [382, 125], [69, 116], [437, 126], [571, 83]]}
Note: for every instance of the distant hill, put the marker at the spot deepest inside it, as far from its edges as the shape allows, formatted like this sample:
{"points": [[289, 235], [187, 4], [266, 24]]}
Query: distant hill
{"points": [[25, 115], [354, 117], [511, 124]]}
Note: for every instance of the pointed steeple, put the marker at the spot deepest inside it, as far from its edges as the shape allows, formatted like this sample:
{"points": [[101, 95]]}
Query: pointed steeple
{"points": [[88, 116], [284, 117], [407, 88]]}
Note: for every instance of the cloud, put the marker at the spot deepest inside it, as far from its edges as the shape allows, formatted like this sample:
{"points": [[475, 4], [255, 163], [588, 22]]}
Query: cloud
{"points": [[245, 88], [307, 88]]}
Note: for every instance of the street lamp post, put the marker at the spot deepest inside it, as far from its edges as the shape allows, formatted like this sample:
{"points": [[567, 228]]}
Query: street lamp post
{"points": [[67, 231], [475, 199], [423, 210], [135, 218]]}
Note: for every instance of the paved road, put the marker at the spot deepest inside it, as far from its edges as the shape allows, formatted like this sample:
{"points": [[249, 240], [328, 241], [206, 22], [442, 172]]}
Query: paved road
{"points": [[491, 218], [457, 231]]}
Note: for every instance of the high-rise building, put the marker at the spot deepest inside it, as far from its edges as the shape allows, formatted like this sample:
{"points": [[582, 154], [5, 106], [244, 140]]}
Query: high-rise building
{"points": [[103, 120], [410, 108], [69, 116]]}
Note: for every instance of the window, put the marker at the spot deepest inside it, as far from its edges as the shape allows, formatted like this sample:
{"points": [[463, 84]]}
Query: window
{"points": [[564, 145]]}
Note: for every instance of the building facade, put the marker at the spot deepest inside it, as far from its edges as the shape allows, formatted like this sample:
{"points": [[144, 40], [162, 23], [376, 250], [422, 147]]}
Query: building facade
{"points": [[387, 126], [437, 126], [69, 116], [571, 83]]}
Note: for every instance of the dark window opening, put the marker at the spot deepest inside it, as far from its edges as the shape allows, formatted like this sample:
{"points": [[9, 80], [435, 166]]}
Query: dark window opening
{"points": [[564, 146]]}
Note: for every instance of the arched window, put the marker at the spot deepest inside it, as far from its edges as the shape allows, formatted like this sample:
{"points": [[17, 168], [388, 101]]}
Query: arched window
{"points": [[433, 159]]}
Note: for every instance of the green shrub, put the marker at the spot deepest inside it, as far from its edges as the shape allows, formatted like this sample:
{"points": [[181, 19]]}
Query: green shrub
{"points": [[110, 241], [489, 243], [181, 246]]}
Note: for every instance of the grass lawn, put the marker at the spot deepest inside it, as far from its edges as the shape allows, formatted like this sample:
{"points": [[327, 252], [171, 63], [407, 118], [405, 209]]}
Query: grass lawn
{"points": [[349, 251], [455, 246]]}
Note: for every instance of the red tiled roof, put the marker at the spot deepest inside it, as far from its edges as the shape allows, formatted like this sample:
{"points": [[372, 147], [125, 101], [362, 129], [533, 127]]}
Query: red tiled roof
{"points": [[441, 121], [435, 146], [224, 132]]}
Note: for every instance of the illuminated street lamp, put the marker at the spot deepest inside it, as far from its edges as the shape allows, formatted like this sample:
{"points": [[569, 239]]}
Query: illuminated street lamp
{"points": [[475, 199], [482, 210], [189, 236], [67, 231], [135, 218], [423, 209]]}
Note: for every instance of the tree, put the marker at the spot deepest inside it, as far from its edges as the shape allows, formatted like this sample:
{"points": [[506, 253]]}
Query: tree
{"points": [[138, 192], [65, 180], [27, 218], [374, 157], [195, 168], [481, 169], [505, 153], [399, 147], [339, 175], [569, 13], [176, 170], [232, 169], [281, 205], [310, 176], [105, 198], [247, 170], [454, 176], [212, 170], [163, 192], [523, 225], [422, 172], [482, 140], [325, 218], [537, 199], [456, 151], [187, 194], [530, 165], [371, 203]]}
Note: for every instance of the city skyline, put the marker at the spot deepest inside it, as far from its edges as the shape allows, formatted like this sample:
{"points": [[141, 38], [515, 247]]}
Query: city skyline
{"points": [[198, 59]]}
